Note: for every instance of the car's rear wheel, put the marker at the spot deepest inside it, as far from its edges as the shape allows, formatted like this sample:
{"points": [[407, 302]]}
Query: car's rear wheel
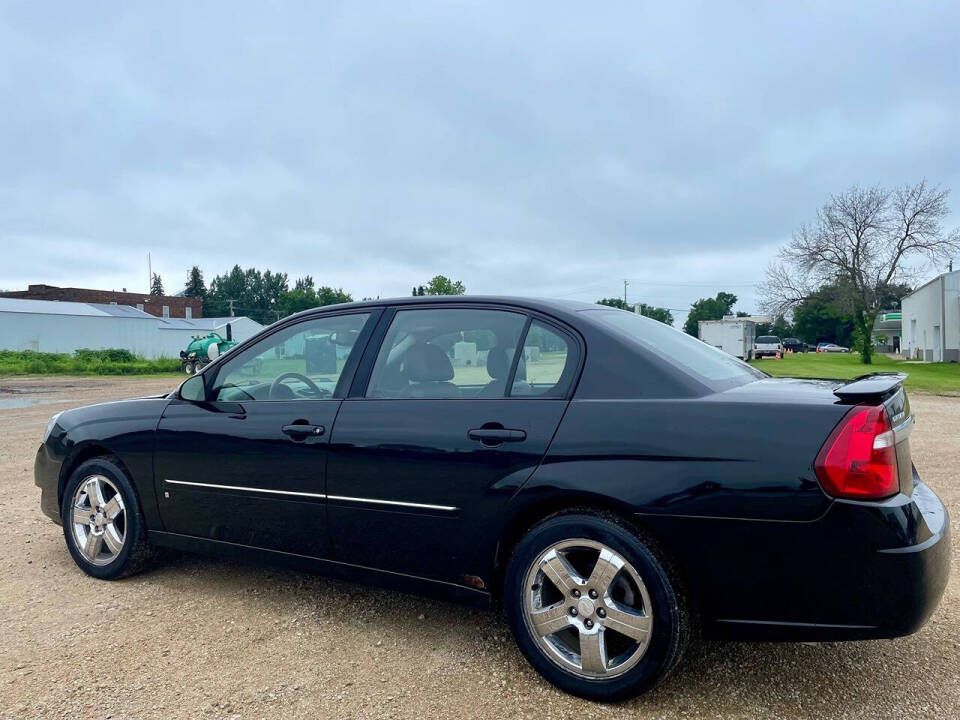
{"points": [[102, 521], [594, 607]]}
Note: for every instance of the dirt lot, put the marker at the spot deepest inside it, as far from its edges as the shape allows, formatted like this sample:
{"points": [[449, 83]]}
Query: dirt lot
{"points": [[198, 637]]}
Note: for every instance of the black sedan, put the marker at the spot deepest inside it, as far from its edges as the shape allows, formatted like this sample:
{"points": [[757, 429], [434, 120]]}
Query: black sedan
{"points": [[613, 484]]}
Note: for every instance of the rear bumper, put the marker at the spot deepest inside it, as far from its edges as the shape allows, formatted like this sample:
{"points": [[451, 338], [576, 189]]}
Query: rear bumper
{"points": [[46, 476], [861, 570]]}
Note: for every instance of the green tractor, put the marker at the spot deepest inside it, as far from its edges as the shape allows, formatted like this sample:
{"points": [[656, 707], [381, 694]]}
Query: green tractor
{"points": [[203, 349]]}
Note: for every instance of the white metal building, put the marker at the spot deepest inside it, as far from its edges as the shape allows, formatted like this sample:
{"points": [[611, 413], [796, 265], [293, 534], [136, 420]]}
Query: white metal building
{"points": [[64, 327], [931, 320]]}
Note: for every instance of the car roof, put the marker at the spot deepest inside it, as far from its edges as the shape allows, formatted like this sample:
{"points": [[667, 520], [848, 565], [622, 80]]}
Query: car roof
{"points": [[571, 311], [534, 303]]}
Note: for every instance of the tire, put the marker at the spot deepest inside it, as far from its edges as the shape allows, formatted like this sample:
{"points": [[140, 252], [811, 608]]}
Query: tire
{"points": [[657, 603], [122, 548], [188, 368]]}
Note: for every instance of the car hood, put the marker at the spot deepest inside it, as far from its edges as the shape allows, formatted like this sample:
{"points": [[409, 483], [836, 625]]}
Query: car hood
{"points": [[132, 410]]}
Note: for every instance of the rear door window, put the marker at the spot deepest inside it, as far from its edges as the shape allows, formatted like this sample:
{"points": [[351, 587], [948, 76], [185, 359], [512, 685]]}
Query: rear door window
{"points": [[547, 365], [447, 353]]}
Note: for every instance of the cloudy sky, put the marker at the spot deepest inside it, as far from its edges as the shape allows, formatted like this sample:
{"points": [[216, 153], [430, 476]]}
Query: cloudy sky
{"points": [[522, 148]]}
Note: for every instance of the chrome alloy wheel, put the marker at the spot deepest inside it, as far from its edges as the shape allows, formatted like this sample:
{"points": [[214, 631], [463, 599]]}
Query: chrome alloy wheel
{"points": [[99, 520], [588, 609]]}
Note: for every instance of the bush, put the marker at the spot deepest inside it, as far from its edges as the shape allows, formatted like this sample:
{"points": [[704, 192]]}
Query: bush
{"points": [[112, 354], [111, 361]]}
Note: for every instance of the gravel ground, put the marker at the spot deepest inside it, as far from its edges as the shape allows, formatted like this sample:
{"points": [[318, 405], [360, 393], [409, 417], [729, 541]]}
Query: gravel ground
{"points": [[198, 637]]}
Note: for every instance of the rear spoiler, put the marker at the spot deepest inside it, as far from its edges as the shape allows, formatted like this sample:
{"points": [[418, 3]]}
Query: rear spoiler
{"points": [[875, 387]]}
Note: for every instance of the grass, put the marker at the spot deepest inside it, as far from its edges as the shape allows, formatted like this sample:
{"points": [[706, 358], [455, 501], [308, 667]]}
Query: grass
{"points": [[938, 378], [83, 362]]}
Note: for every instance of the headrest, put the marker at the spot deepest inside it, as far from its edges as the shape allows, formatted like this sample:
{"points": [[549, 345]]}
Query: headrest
{"points": [[427, 363], [498, 364]]}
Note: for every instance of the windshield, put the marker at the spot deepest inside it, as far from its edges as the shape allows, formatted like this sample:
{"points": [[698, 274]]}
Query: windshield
{"points": [[710, 366]]}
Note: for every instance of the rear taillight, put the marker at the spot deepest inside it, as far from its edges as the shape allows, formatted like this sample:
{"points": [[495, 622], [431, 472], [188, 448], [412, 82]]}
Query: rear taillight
{"points": [[859, 459]]}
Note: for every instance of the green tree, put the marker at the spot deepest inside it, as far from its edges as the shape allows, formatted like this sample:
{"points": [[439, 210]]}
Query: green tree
{"points": [[819, 318], [891, 296], [156, 285], [614, 302], [657, 313], [304, 296], [330, 296], [863, 241], [708, 309], [254, 293], [195, 286], [779, 327], [442, 285]]}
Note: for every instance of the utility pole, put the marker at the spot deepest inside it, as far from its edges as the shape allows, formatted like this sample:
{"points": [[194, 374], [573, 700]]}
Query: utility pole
{"points": [[149, 274], [625, 283], [231, 307]]}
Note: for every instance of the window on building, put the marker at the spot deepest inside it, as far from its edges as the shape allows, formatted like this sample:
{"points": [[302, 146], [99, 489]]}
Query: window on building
{"points": [[140, 307], [166, 311], [189, 312]]}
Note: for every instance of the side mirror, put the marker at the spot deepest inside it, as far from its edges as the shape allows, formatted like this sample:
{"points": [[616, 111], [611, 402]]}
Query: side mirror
{"points": [[193, 389]]}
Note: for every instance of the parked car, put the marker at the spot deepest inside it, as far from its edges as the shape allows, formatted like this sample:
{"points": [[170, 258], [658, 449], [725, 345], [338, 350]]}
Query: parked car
{"points": [[831, 348], [608, 481], [794, 345], [767, 346]]}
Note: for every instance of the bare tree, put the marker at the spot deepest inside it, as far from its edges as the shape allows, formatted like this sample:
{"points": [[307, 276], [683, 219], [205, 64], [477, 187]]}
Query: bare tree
{"points": [[864, 240]]}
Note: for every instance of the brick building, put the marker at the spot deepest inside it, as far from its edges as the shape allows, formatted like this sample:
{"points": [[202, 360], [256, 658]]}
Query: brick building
{"points": [[157, 305]]}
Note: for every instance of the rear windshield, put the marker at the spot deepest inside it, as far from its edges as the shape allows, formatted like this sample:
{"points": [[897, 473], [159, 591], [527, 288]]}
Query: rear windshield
{"points": [[712, 367], [768, 339]]}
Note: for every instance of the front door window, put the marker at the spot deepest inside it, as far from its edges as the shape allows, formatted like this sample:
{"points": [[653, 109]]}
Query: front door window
{"points": [[302, 362]]}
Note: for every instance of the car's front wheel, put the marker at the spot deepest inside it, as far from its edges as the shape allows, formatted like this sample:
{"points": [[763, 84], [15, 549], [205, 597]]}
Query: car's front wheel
{"points": [[102, 521], [593, 606]]}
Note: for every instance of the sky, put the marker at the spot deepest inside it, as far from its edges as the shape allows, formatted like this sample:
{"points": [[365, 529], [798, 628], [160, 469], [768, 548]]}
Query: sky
{"points": [[546, 149]]}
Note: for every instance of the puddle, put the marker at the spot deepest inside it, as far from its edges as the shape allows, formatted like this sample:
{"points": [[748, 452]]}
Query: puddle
{"points": [[22, 402]]}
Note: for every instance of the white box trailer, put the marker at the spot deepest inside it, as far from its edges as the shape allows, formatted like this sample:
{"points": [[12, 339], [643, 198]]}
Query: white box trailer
{"points": [[734, 336]]}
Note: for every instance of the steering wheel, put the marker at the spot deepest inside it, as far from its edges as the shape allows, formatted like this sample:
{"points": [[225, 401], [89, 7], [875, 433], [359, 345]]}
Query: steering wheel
{"points": [[278, 383]]}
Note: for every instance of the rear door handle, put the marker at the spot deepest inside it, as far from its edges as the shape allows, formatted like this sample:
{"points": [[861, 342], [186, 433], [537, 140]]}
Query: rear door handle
{"points": [[496, 436], [302, 431]]}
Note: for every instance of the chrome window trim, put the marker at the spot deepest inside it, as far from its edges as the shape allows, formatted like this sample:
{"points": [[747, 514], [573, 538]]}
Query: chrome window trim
{"points": [[320, 496]]}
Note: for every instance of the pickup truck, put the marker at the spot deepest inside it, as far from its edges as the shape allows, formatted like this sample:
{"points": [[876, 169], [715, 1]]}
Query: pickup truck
{"points": [[767, 345]]}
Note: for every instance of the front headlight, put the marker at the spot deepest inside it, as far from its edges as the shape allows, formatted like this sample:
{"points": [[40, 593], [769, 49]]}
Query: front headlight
{"points": [[53, 421]]}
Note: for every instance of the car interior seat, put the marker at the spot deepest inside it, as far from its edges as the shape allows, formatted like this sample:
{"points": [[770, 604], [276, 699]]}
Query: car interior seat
{"points": [[428, 370]]}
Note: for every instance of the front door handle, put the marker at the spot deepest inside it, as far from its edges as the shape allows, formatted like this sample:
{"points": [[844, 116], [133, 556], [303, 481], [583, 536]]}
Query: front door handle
{"points": [[491, 437], [298, 432]]}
